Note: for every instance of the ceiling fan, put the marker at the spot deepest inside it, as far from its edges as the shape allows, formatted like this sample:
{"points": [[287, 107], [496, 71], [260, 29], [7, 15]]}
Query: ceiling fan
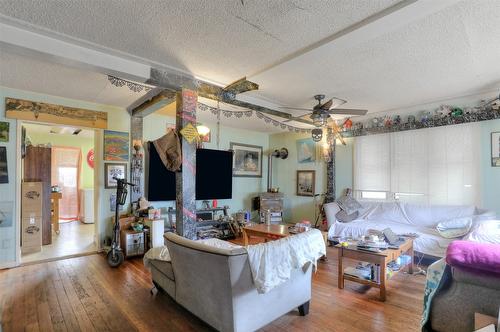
{"points": [[320, 114]]}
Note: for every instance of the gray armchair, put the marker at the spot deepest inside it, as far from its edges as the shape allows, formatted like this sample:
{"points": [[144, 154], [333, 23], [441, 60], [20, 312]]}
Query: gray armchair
{"points": [[462, 294], [216, 285]]}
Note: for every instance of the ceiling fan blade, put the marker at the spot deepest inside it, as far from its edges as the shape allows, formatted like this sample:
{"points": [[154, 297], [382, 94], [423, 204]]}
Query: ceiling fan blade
{"points": [[296, 108], [341, 102], [348, 111], [325, 106], [240, 86]]}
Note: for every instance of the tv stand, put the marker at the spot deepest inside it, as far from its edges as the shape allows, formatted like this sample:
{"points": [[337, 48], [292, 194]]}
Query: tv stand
{"points": [[209, 226]]}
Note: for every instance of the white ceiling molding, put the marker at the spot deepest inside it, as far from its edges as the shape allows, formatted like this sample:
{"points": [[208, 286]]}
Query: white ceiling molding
{"points": [[18, 40]]}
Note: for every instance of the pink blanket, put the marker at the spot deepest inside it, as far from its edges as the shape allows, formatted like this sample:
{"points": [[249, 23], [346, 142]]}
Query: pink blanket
{"points": [[476, 257]]}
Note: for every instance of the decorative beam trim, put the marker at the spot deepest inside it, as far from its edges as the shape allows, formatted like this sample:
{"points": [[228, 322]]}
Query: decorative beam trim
{"points": [[43, 112], [151, 103]]}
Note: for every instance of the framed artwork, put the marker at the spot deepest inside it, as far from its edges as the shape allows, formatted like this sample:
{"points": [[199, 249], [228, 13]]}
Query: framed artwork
{"points": [[4, 173], [247, 160], [112, 203], [6, 213], [116, 146], [306, 183], [306, 150], [495, 149], [4, 131], [118, 170]]}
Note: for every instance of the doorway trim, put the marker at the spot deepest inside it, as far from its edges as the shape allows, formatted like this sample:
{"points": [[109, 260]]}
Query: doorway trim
{"points": [[98, 133]]}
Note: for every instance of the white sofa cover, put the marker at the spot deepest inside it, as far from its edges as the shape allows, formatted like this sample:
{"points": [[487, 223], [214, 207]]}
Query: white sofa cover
{"points": [[405, 218]]}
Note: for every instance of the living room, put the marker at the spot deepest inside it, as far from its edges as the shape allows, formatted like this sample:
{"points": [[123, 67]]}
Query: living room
{"points": [[253, 167]]}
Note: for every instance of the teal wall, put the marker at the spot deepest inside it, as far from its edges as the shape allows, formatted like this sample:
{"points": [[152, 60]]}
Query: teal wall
{"points": [[8, 190], [298, 208], [244, 189], [118, 119], [490, 176]]}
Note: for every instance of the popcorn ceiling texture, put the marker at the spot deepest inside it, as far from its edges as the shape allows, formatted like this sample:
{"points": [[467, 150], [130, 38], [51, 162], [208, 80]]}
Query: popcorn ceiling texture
{"points": [[219, 40], [451, 53]]}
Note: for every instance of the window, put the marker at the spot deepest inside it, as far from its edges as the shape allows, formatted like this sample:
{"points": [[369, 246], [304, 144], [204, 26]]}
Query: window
{"points": [[435, 165]]}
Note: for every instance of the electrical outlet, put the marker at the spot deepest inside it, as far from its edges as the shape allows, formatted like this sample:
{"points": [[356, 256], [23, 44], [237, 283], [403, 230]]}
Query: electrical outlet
{"points": [[6, 244]]}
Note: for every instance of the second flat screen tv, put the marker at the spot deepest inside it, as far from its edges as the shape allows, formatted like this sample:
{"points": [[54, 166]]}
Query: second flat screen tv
{"points": [[214, 176]]}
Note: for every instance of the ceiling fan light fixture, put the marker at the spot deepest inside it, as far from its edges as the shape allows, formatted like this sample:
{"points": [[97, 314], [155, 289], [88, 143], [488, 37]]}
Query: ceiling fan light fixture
{"points": [[319, 118]]}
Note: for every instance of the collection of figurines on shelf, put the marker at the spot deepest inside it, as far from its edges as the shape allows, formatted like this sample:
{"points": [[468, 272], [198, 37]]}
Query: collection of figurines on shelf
{"points": [[444, 115]]}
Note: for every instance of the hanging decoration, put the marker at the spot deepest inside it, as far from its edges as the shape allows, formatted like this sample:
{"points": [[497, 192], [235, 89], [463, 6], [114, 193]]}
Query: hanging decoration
{"points": [[249, 113], [132, 86]]}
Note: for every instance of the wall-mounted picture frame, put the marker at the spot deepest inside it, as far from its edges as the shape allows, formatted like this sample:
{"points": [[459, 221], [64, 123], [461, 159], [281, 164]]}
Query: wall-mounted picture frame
{"points": [[4, 131], [306, 183], [116, 145], [4, 173], [306, 150], [118, 170], [6, 214], [247, 160], [495, 149]]}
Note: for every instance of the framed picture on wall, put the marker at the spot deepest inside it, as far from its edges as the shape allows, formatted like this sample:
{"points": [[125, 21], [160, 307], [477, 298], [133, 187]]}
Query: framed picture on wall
{"points": [[247, 160], [495, 149], [4, 131], [4, 173], [306, 150], [306, 183], [116, 145], [111, 170]]}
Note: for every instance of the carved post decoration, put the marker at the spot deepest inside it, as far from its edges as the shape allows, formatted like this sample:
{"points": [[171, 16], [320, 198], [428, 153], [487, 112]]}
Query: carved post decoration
{"points": [[185, 180], [330, 167], [137, 162]]}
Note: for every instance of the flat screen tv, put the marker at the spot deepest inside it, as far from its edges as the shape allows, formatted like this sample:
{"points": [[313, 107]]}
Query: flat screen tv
{"points": [[214, 176]]}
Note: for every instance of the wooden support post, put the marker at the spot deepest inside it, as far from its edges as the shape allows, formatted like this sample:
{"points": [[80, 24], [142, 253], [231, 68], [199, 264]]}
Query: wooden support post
{"points": [[330, 168], [186, 179], [137, 160]]}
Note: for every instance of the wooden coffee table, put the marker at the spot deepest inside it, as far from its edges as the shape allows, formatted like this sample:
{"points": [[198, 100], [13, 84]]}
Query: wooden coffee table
{"points": [[268, 232], [381, 258]]}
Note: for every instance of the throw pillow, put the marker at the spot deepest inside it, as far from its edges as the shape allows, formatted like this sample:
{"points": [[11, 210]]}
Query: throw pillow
{"points": [[454, 228], [342, 216], [348, 204]]}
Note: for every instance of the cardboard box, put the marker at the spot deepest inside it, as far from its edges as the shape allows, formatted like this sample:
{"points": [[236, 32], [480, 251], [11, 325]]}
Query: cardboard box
{"points": [[31, 233], [31, 198]]}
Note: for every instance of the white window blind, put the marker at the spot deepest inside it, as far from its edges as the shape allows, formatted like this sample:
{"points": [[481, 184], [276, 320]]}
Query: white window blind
{"points": [[372, 163], [435, 165]]}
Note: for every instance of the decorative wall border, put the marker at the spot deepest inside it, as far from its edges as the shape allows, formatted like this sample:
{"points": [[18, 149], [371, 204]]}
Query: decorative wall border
{"points": [[445, 115], [249, 113]]}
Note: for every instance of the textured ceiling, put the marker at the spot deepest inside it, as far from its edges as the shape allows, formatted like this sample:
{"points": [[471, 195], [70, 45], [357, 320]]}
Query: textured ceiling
{"points": [[26, 73], [218, 40], [453, 52]]}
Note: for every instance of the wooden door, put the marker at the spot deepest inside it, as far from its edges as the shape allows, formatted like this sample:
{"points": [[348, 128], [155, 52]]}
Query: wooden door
{"points": [[37, 164]]}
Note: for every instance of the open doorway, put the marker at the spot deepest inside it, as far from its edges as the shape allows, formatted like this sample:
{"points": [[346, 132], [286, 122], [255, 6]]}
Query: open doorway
{"points": [[60, 159]]}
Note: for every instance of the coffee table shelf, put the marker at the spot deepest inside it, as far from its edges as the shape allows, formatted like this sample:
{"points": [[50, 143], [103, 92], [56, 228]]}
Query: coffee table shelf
{"points": [[381, 258]]}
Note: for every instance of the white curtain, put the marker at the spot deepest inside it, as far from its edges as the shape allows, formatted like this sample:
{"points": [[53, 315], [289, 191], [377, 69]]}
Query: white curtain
{"points": [[435, 165]]}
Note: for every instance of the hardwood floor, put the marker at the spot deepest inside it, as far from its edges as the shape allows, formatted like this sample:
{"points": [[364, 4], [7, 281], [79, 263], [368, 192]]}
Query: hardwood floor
{"points": [[84, 294]]}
